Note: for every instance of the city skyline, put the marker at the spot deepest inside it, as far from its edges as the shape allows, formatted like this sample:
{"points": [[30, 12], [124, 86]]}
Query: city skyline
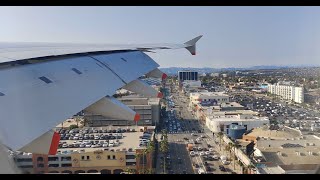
{"points": [[233, 36]]}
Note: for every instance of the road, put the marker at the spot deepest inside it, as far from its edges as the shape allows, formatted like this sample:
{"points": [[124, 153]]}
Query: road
{"points": [[179, 135]]}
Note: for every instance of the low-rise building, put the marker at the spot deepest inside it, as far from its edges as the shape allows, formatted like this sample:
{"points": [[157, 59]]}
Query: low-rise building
{"points": [[221, 121], [208, 97], [285, 151], [105, 160]]}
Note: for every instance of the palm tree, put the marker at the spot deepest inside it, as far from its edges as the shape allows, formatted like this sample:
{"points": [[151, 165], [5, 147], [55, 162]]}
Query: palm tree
{"points": [[220, 135], [164, 147], [235, 147], [138, 156], [230, 146], [241, 165], [144, 153]]}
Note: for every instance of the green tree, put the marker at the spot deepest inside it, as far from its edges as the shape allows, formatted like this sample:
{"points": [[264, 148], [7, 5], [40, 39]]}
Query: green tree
{"points": [[73, 126], [164, 147], [78, 119], [130, 171]]}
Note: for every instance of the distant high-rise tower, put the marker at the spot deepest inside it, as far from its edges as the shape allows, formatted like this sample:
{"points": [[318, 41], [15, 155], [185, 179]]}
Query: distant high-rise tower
{"points": [[187, 75]]}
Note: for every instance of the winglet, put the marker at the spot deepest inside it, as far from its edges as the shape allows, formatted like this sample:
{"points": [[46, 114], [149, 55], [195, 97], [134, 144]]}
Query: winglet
{"points": [[191, 45]]}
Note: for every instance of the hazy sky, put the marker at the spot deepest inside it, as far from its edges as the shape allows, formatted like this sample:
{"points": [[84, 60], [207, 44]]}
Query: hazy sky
{"points": [[233, 36]]}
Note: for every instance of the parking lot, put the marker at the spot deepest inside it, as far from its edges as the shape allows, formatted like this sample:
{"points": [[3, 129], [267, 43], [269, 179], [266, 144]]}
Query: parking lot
{"points": [[106, 138]]}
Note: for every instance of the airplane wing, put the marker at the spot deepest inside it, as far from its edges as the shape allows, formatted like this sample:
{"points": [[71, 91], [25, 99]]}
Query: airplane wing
{"points": [[41, 85]]}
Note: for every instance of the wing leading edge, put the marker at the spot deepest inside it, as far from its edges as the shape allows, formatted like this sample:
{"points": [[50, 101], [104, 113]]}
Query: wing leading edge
{"points": [[10, 52]]}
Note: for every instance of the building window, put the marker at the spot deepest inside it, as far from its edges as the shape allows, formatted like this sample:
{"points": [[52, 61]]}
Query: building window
{"points": [[88, 157], [24, 160], [108, 156], [66, 165], [114, 157], [65, 158], [40, 165], [82, 157], [53, 165], [40, 159], [26, 166], [53, 158], [130, 157]]}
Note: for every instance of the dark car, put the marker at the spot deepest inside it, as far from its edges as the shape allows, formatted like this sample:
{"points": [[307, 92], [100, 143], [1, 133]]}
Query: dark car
{"points": [[208, 168], [196, 165], [222, 168]]}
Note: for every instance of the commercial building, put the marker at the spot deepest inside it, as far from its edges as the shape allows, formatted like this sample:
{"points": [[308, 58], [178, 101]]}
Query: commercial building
{"points": [[285, 151], [188, 86], [104, 160], [222, 120], [208, 98], [147, 108], [287, 92], [215, 111], [188, 75]]}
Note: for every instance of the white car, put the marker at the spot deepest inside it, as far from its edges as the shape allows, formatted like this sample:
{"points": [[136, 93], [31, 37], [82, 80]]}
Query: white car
{"points": [[201, 171], [201, 153], [207, 153], [65, 145], [215, 157], [211, 149], [199, 148], [192, 153]]}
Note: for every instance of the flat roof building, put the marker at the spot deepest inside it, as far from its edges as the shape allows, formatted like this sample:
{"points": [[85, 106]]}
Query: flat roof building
{"points": [[72, 159], [288, 149]]}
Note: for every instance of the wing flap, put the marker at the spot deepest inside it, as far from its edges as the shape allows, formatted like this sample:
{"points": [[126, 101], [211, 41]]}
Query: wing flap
{"points": [[47, 143], [140, 87], [112, 108]]}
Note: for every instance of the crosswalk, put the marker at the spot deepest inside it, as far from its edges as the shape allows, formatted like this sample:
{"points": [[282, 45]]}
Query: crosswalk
{"points": [[203, 139], [182, 132]]}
